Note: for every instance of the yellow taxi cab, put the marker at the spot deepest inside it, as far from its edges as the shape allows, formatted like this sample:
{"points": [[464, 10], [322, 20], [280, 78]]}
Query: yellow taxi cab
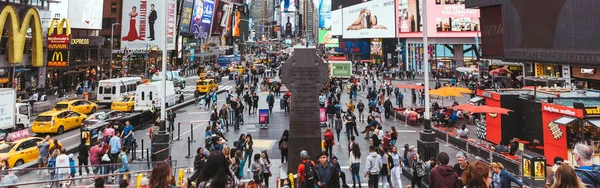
{"points": [[57, 121], [21, 151], [237, 68], [77, 105], [206, 85], [124, 104]]}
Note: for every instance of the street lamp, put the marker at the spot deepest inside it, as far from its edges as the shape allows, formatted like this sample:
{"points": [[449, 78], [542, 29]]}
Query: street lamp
{"points": [[112, 38]]}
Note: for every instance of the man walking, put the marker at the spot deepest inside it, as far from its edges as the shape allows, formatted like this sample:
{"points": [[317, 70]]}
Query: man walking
{"points": [[115, 147], [328, 176], [373, 167], [152, 19], [171, 118], [128, 134], [271, 101]]}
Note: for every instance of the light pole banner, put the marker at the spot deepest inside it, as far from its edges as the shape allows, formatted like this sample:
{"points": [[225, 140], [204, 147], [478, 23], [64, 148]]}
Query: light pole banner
{"points": [[143, 24], [372, 19]]}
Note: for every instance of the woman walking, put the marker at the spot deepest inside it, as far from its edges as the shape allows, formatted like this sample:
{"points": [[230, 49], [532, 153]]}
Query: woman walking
{"points": [[397, 169], [283, 146], [339, 124], [355, 164], [248, 151], [329, 142], [216, 173], [265, 168], [417, 170]]}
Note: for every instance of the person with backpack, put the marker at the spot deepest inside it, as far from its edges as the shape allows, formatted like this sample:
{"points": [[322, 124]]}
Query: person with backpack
{"points": [[283, 146], [122, 159], [588, 172], [329, 140], [307, 174]]}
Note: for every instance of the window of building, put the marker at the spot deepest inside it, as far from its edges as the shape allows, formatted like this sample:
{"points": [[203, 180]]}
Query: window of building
{"points": [[113, 7], [107, 22]]}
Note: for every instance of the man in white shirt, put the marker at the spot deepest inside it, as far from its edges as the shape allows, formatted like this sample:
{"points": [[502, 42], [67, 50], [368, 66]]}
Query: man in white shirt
{"points": [[62, 164]]}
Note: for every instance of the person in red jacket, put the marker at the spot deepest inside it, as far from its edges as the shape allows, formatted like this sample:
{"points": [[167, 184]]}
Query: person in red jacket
{"points": [[442, 175], [329, 141]]}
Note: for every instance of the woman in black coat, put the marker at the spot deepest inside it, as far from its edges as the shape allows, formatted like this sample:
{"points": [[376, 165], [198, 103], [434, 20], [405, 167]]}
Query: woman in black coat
{"points": [[283, 145]]}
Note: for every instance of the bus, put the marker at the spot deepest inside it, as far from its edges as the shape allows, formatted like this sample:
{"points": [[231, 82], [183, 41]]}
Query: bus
{"points": [[112, 89]]}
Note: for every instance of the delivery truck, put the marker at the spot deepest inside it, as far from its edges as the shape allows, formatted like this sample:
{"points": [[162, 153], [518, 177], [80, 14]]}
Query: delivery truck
{"points": [[13, 115]]}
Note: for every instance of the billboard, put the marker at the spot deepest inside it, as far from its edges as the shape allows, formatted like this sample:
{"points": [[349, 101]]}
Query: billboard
{"points": [[326, 38], [338, 4], [222, 15], [86, 14], [445, 19], [324, 14], [288, 25], [369, 20], [144, 25], [238, 10], [17, 27], [376, 47], [60, 10], [492, 32], [202, 18], [287, 5], [186, 15], [336, 22]]}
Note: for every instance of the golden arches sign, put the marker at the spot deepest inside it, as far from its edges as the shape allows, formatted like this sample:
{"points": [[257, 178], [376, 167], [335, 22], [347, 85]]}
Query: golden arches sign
{"points": [[63, 24], [17, 34]]}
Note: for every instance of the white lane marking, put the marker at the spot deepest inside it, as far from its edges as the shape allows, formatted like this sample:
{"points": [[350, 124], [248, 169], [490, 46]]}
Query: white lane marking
{"points": [[198, 112]]}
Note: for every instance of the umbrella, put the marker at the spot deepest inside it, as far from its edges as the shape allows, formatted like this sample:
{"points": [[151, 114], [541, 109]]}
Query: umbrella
{"points": [[409, 86], [466, 69], [482, 109], [445, 92]]}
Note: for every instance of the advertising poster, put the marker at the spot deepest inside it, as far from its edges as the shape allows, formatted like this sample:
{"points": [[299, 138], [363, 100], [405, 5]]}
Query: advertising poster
{"points": [[445, 18], [288, 24], [144, 25], [369, 20], [287, 5], [202, 18], [86, 14], [341, 69], [324, 14], [186, 16], [237, 18], [326, 38], [323, 115], [336, 23], [376, 48], [221, 18]]}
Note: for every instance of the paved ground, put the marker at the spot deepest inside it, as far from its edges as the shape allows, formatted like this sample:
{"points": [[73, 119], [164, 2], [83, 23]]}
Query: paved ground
{"points": [[193, 118]]}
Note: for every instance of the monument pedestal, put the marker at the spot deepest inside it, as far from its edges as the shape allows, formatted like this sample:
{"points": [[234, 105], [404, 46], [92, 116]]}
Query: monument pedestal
{"points": [[161, 144], [427, 146]]}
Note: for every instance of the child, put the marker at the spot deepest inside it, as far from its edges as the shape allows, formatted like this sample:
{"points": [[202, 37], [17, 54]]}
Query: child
{"points": [[72, 166]]}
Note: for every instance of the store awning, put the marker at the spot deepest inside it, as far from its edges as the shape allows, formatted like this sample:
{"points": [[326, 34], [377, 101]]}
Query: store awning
{"points": [[565, 120], [595, 122], [475, 99]]}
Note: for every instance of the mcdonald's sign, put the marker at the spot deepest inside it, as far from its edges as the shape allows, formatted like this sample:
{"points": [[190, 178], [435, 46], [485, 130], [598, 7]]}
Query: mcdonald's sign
{"points": [[17, 34], [59, 41], [58, 58]]}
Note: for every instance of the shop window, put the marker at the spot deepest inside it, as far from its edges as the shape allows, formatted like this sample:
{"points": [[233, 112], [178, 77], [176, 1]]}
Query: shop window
{"points": [[123, 90], [143, 96], [114, 89], [150, 96], [100, 90], [113, 7]]}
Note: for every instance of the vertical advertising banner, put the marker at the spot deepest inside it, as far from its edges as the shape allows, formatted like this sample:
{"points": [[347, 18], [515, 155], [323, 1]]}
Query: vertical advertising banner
{"points": [[336, 22], [288, 5], [86, 14], [370, 20], [376, 47], [409, 16], [325, 14], [288, 24], [143, 24], [237, 18], [202, 18], [186, 15], [220, 16]]}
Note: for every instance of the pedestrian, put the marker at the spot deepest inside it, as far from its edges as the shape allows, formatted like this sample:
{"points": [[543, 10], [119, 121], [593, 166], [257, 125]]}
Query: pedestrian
{"points": [[43, 147], [248, 150], [115, 147], [62, 165], [387, 165], [128, 134], [249, 102], [394, 136], [328, 140], [351, 128], [355, 164], [477, 175], [283, 146], [162, 176], [330, 113], [10, 179], [566, 176], [94, 154], [105, 159], [72, 170], [223, 116], [271, 101], [170, 117], [387, 105], [461, 164], [338, 170], [123, 160], [396, 170], [207, 99], [417, 170], [373, 167], [83, 158], [501, 178], [307, 174], [255, 168], [588, 172], [374, 140], [442, 175], [265, 168], [199, 160], [327, 174], [361, 108], [255, 100], [339, 124]]}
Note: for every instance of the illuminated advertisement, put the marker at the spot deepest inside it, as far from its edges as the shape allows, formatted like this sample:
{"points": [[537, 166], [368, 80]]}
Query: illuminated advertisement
{"points": [[336, 22], [326, 38], [202, 17], [324, 14], [143, 24], [376, 48], [369, 20], [222, 15], [446, 18], [86, 14], [287, 5], [288, 23], [186, 15]]}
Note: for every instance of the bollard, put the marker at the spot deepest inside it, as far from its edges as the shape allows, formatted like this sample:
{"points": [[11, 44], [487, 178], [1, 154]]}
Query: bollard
{"points": [[134, 149], [142, 149], [189, 149], [148, 158], [192, 132], [178, 131]]}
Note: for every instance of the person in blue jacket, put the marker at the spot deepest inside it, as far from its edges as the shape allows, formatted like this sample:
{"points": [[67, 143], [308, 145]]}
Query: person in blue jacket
{"points": [[501, 178]]}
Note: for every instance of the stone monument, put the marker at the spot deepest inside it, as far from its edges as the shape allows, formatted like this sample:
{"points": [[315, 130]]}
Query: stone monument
{"points": [[304, 74]]}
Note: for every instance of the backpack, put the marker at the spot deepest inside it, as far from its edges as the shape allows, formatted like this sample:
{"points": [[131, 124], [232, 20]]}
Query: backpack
{"points": [[589, 175], [328, 141], [283, 145], [120, 158], [310, 173]]}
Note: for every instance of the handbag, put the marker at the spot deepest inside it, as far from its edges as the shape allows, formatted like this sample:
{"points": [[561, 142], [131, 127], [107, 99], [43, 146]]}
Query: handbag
{"points": [[105, 157]]}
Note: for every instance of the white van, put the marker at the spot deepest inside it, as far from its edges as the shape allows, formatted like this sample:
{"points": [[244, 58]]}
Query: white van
{"points": [[112, 89], [150, 92]]}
